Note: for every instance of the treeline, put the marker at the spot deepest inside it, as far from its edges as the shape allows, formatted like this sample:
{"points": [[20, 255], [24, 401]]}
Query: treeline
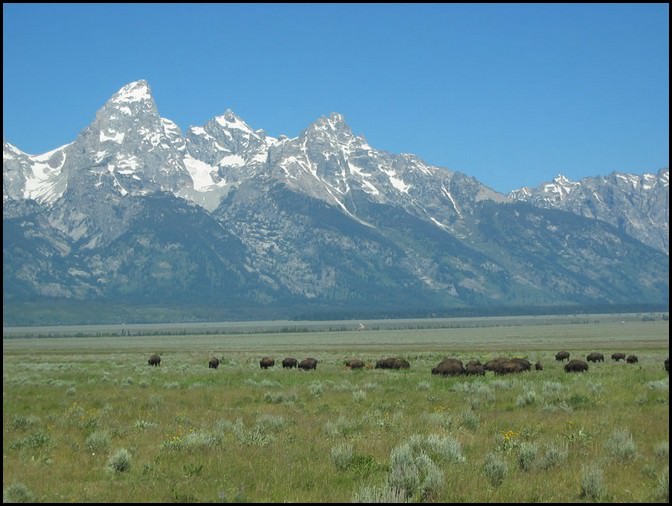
{"points": [[465, 312], [93, 313]]}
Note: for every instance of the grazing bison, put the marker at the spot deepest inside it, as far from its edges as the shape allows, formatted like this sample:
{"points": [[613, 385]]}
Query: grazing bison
{"points": [[595, 357], [494, 364], [401, 363], [154, 360], [538, 366], [266, 362], [213, 363], [474, 368], [525, 365], [504, 365], [576, 365], [385, 363], [289, 362], [354, 363], [562, 355], [666, 362], [308, 364], [632, 359], [618, 356], [392, 363], [511, 366], [449, 367]]}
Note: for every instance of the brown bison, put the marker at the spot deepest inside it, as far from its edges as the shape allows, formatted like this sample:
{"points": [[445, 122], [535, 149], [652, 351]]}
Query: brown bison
{"points": [[154, 360], [538, 366], [618, 356], [493, 365], [449, 367], [666, 363], [354, 363], [504, 365], [595, 357], [392, 363], [213, 363], [632, 359], [474, 368], [576, 365], [401, 363], [289, 362], [385, 363], [266, 362], [525, 365], [562, 355], [511, 366], [308, 364]]}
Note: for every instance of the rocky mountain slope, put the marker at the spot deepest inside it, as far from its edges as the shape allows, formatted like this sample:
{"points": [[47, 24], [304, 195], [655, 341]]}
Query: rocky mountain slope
{"points": [[134, 213]]}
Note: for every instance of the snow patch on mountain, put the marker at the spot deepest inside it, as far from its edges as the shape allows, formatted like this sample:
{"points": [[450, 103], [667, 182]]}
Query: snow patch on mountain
{"points": [[136, 91], [200, 172]]}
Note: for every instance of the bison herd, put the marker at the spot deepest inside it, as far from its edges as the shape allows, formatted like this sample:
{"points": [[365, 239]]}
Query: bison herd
{"points": [[447, 366]]}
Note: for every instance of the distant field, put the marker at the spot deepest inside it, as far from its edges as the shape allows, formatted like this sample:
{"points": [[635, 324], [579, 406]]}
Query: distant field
{"points": [[532, 332], [85, 419]]}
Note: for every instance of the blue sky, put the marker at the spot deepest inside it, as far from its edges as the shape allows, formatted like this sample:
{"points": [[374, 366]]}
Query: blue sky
{"points": [[512, 94]]}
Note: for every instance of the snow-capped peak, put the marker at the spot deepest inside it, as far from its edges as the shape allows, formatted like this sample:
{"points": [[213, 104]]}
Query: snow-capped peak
{"points": [[232, 121], [565, 182], [9, 150], [136, 91], [335, 122]]}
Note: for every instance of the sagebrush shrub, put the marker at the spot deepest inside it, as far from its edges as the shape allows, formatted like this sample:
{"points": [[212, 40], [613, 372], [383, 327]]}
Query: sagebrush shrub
{"points": [[342, 456], [621, 444], [527, 454], [592, 482], [662, 491], [495, 469], [17, 492], [98, 441], [119, 461]]}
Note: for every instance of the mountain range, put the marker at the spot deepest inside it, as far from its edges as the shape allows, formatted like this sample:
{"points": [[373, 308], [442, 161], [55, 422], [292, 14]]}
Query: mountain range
{"points": [[137, 221]]}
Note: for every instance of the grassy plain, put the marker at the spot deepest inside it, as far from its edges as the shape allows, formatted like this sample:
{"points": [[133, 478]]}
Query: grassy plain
{"points": [[85, 419]]}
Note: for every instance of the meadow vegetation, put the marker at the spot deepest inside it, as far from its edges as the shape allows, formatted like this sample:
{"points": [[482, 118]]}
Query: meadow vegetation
{"points": [[88, 420]]}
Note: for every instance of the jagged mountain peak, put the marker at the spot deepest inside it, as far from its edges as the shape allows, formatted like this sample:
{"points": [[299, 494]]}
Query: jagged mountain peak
{"points": [[10, 150], [333, 123], [637, 204], [135, 91], [131, 105], [320, 218], [231, 120]]}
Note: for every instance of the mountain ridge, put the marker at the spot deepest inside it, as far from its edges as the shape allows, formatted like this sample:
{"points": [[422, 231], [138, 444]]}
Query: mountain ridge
{"points": [[322, 220]]}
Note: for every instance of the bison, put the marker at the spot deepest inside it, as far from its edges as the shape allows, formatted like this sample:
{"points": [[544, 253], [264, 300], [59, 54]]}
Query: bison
{"points": [[538, 366], [385, 363], [576, 365], [354, 363], [511, 366], [493, 365], [266, 362], [308, 364], [393, 363], [449, 367], [595, 357], [474, 367], [401, 363], [154, 360], [618, 356], [289, 362], [562, 355], [632, 359], [503, 365], [213, 363], [666, 363]]}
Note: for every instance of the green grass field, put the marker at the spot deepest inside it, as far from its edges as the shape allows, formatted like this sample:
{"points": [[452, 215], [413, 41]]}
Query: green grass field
{"points": [[85, 419]]}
